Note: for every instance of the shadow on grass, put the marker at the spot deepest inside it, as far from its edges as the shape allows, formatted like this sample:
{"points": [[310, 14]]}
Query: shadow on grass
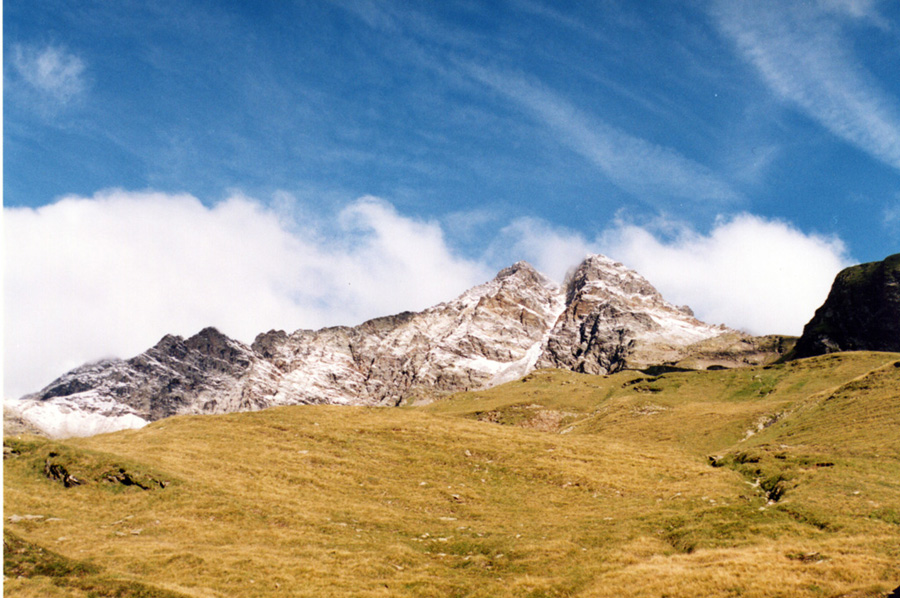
{"points": [[22, 559]]}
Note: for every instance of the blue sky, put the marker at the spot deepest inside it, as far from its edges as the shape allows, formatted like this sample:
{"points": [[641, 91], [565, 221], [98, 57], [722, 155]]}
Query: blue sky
{"points": [[748, 144]]}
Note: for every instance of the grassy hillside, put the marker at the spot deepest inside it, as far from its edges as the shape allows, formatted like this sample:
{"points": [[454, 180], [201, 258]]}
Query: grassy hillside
{"points": [[774, 481]]}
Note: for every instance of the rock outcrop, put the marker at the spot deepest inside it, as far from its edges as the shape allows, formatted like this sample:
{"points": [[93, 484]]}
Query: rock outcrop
{"points": [[614, 319], [604, 318], [861, 313]]}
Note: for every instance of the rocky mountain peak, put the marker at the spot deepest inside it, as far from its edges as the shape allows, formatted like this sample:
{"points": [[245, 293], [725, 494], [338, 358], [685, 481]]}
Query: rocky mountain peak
{"points": [[525, 272], [209, 340], [517, 281], [605, 318], [266, 344], [600, 276], [169, 343], [218, 347], [614, 318]]}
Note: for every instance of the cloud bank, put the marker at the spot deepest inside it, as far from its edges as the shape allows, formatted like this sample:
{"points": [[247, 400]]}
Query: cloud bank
{"points": [[758, 275], [87, 278]]}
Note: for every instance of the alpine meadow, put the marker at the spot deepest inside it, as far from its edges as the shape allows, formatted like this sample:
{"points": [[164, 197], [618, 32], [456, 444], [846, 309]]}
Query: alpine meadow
{"points": [[779, 480]]}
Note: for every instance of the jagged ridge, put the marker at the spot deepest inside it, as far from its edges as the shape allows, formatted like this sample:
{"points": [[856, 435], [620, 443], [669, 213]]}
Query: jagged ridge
{"points": [[604, 318]]}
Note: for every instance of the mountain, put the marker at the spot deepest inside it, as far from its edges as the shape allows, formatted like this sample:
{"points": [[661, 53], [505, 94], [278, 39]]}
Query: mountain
{"points": [[605, 318], [861, 313]]}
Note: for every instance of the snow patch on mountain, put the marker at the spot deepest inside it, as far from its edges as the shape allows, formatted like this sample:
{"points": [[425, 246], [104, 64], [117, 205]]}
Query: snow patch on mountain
{"points": [[66, 417]]}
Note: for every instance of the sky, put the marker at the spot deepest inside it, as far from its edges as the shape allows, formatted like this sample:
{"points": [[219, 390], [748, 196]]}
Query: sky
{"points": [[169, 165]]}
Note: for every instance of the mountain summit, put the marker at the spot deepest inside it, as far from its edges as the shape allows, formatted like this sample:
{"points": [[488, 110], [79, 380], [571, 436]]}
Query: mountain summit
{"points": [[603, 319], [614, 318]]}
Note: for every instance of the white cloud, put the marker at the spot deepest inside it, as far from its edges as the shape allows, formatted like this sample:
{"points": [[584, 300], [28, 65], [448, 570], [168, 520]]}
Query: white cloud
{"points": [[87, 278], [552, 250], [654, 172], [803, 55], [761, 276], [54, 72]]}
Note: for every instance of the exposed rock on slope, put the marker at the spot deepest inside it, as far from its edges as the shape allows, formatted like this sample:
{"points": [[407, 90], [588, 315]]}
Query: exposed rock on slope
{"points": [[490, 334], [174, 376], [734, 349], [614, 318], [861, 313], [605, 318]]}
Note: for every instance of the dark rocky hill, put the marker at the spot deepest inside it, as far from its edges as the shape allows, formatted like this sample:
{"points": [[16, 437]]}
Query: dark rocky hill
{"points": [[861, 313]]}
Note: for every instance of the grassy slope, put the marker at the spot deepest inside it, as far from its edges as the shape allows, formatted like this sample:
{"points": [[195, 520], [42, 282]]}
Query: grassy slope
{"points": [[627, 485]]}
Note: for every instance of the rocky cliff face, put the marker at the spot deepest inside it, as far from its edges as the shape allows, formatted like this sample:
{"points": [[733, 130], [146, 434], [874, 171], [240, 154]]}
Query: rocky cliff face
{"points": [[614, 319], [862, 312], [605, 318]]}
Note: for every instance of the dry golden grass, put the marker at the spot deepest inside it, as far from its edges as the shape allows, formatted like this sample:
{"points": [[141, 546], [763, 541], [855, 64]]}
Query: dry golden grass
{"points": [[346, 501]]}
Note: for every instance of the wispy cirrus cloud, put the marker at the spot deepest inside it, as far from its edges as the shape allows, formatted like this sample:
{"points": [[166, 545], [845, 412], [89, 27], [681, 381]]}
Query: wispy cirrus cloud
{"points": [[891, 214], [802, 53], [55, 73], [858, 9], [653, 172]]}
